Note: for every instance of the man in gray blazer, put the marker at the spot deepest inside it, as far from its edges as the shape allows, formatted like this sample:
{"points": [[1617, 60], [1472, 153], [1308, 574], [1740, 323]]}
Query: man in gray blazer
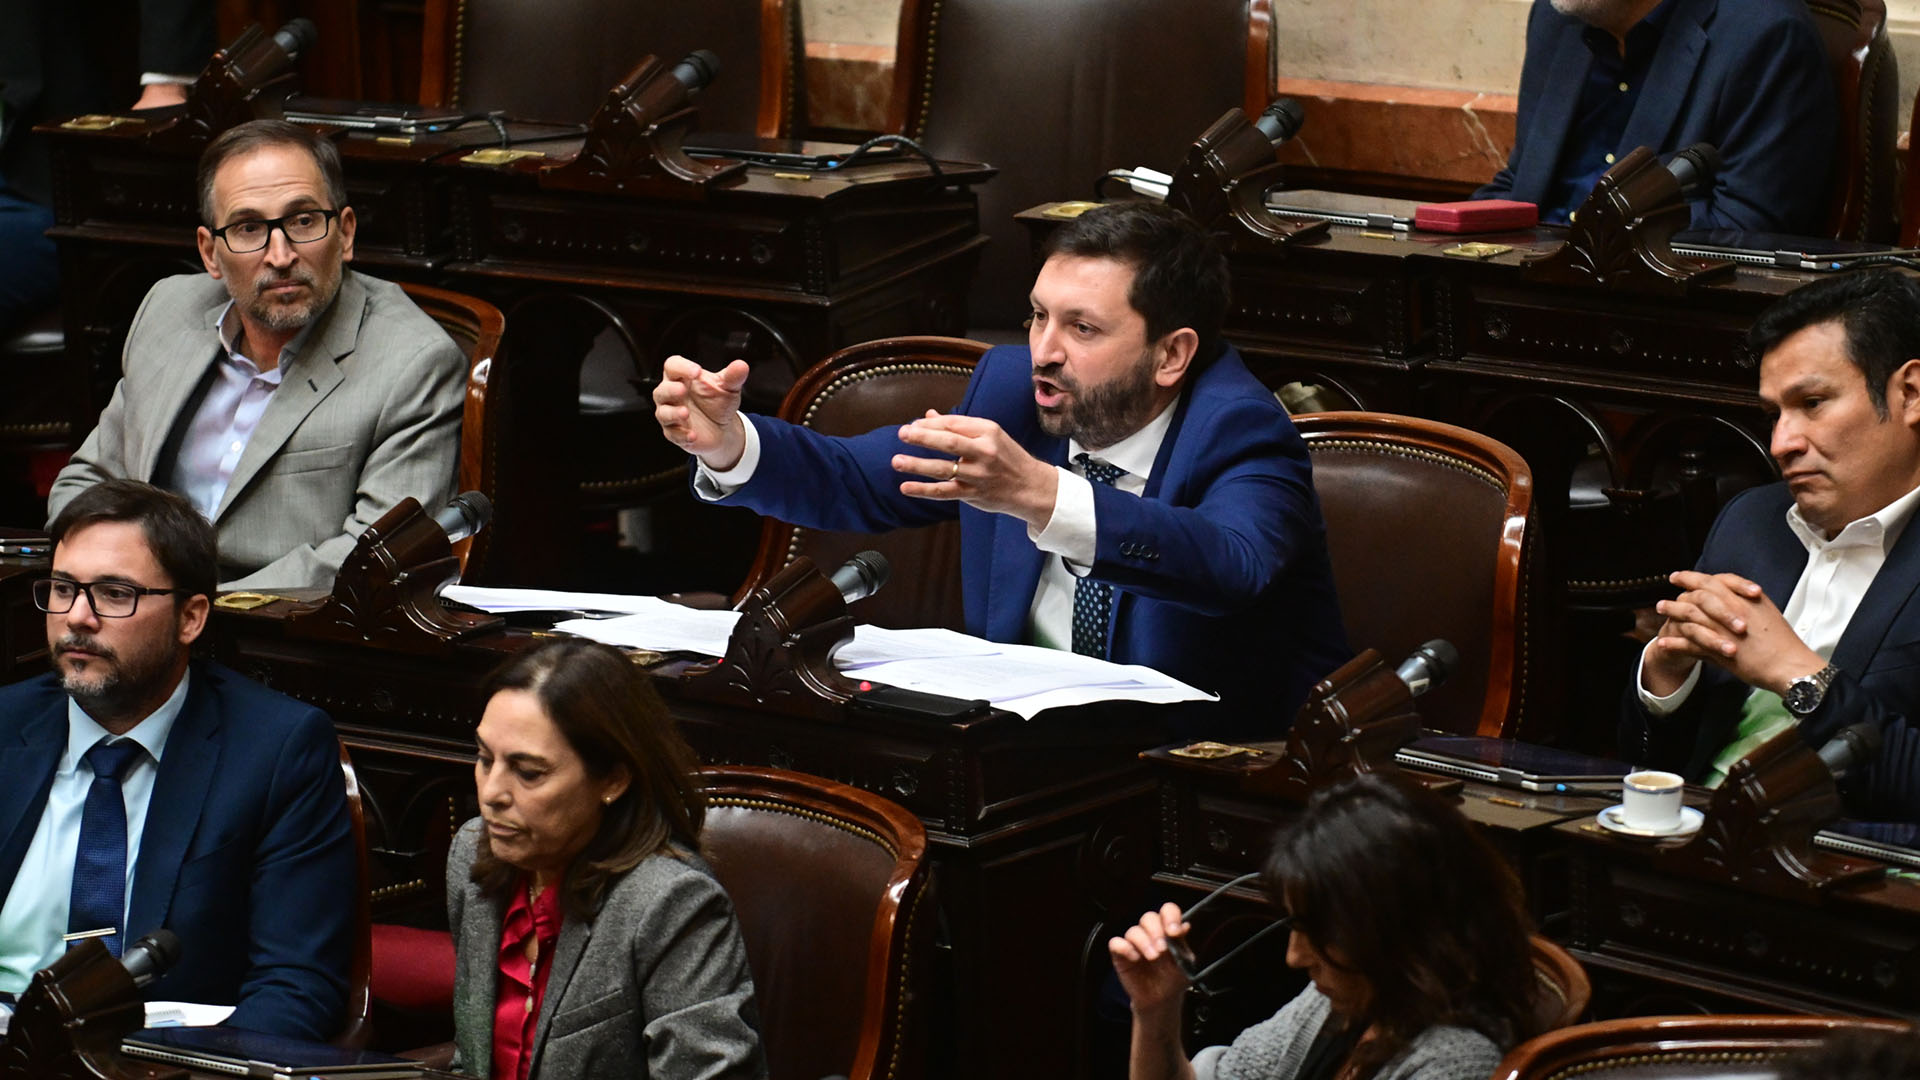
{"points": [[292, 401]]}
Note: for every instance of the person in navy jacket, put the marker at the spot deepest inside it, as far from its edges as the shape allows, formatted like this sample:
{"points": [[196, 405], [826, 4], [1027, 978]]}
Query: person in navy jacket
{"points": [[139, 790], [1125, 487]]}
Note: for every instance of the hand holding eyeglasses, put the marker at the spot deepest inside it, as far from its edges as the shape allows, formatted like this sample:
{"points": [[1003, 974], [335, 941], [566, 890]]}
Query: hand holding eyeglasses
{"points": [[1144, 958]]}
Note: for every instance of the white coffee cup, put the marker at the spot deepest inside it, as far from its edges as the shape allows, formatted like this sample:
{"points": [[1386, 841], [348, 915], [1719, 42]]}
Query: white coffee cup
{"points": [[1650, 800]]}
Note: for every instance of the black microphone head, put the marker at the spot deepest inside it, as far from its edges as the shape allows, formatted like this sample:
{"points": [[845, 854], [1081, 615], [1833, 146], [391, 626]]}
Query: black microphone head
{"points": [[1281, 120], [465, 514], [1442, 658], [862, 575], [151, 956], [700, 67], [297, 36], [1695, 167]]}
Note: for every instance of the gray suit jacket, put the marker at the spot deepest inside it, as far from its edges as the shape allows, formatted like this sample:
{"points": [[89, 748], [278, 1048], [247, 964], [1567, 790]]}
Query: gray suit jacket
{"points": [[656, 984], [367, 414]]}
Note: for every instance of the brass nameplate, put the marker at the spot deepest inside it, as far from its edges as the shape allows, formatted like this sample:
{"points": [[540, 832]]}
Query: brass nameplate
{"points": [[494, 155], [792, 176], [1474, 249], [99, 122], [245, 601], [1068, 210], [1213, 751]]}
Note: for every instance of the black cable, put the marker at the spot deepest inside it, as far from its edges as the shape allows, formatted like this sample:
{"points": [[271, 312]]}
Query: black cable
{"points": [[889, 140]]}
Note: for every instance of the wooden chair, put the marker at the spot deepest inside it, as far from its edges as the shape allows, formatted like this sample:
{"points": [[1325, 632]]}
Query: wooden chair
{"points": [[357, 1030], [476, 326], [850, 393], [1866, 183], [1427, 527], [1657, 1047], [476, 55], [830, 885], [840, 103], [1564, 988]]}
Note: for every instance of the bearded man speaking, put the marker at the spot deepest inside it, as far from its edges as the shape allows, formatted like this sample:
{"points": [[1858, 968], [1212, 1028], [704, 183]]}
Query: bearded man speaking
{"points": [[289, 399]]}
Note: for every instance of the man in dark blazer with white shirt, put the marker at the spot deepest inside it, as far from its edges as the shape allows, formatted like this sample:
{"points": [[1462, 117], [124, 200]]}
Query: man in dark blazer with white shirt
{"points": [[1802, 611], [1751, 77], [224, 799]]}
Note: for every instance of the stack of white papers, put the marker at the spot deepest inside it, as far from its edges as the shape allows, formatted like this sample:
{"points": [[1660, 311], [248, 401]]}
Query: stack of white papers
{"points": [[1023, 679], [162, 1014]]}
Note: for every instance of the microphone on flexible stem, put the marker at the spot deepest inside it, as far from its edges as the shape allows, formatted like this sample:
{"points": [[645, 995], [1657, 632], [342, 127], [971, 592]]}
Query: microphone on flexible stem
{"points": [[1428, 666], [296, 37], [862, 576], [465, 514], [699, 68], [1854, 746], [1695, 167], [151, 956], [1281, 121]]}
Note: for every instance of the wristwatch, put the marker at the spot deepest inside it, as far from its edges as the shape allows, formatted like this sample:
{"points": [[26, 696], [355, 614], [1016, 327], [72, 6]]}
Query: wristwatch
{"points": [[1805, 693]]}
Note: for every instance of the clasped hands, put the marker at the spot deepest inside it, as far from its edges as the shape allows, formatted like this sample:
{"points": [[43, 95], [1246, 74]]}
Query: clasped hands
{"points": [[699, 411], [1725, 620]]}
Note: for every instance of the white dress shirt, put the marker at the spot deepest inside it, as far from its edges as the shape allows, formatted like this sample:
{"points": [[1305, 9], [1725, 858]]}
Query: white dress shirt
{"points": [[226, 417], [1071, 531], [34, 918], [1837, 575]]}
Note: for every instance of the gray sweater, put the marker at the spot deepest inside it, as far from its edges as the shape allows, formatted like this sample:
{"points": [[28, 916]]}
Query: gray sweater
{"points": [[1275, 1048]]}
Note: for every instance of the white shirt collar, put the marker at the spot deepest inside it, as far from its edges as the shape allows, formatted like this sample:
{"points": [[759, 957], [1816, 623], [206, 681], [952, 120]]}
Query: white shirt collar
{"points": [[84, 731], [1881, 528], [1135, 453]]}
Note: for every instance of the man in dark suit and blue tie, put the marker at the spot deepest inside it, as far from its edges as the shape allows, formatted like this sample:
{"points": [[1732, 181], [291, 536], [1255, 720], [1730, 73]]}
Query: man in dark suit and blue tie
{"points": [[1802, 612], [1125, 487], [139, 790]]}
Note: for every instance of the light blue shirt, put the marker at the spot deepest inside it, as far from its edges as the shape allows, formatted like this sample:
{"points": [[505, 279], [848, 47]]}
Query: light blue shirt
{"points": [[229, 411], [34, 918]]}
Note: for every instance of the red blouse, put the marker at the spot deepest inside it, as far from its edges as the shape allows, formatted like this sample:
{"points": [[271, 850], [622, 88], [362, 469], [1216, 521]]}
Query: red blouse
{"points": [[523, 981]]}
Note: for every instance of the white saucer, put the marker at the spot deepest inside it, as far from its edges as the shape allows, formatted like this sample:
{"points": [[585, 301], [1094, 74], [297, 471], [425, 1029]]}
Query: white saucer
{"points": [[1689, 823]]}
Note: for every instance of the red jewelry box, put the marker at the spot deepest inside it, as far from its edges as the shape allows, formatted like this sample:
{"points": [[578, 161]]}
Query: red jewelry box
{"points": [[1476, 216]]}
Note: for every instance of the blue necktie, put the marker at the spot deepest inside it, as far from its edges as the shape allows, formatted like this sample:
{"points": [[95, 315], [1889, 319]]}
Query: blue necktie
{"points": [[1093, 600], [99, 897]]}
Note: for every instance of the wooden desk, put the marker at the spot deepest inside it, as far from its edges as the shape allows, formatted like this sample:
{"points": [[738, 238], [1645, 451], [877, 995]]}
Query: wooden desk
{"points": [[778, 268], [1041, 831], [1652, 942]]}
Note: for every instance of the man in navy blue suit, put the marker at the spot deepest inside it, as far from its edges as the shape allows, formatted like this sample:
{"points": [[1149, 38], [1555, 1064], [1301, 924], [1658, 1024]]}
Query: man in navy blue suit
{"points": [[1125, 487], [1802, 611], [139, 790], [1751, 77]]}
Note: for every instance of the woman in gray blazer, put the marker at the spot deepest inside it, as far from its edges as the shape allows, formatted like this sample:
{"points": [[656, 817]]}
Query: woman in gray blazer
{"points": [[591, 939], [1409, 925]]}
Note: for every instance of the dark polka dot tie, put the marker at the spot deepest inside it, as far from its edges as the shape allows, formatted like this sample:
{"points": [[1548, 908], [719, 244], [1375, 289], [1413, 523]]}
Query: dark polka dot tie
{"points": [[1093, 600]]}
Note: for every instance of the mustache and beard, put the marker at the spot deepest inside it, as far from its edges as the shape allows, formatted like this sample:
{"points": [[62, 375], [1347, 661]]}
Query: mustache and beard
{"points": [[1101, 414], [114, 683], [292, 314]]}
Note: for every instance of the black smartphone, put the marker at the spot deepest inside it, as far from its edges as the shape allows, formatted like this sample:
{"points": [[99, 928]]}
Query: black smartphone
{"points": [[894, 700]]}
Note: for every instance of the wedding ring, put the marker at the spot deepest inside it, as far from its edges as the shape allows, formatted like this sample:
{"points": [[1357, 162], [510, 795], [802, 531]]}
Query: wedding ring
{"points": [[956, 471]]}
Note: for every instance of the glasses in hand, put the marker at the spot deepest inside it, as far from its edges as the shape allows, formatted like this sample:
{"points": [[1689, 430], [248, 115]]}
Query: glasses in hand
{"points": [[1182, 953]]}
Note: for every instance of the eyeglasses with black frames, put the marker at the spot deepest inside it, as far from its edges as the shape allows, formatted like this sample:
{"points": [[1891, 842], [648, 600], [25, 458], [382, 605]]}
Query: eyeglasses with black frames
{"points": [[1183, 956], [253, 234], [107, 599]]}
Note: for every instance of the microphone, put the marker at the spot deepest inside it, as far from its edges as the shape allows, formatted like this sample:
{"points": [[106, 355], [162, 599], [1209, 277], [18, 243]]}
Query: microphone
{"points": [[1695, 167], [1854, 746], [1281, 121], [862, 576], [296, 37], [1428, 666], [697, 70], [151, 956], [465, 514]]}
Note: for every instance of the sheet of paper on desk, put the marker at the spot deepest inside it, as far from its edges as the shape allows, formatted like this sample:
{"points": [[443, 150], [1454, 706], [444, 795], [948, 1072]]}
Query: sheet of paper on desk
{"points": [[162, 1014], [662, 627], [504, 600], [878, 645]]}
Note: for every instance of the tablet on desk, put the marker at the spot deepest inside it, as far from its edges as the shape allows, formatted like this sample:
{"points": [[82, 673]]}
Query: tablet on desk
{"points": [[237, 1052], [1513, 764], [1790, 252], [804, 155], [1359, 211]]}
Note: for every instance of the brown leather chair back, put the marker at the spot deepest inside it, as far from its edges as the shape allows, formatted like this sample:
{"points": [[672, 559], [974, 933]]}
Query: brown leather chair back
{"points": [[1427, 526], [1657, 1047], [1057, 93], [830, 886], [1866, 182], [357, 1029], [1564, 987], [476, 326], [852, 392], [556, 59]]}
